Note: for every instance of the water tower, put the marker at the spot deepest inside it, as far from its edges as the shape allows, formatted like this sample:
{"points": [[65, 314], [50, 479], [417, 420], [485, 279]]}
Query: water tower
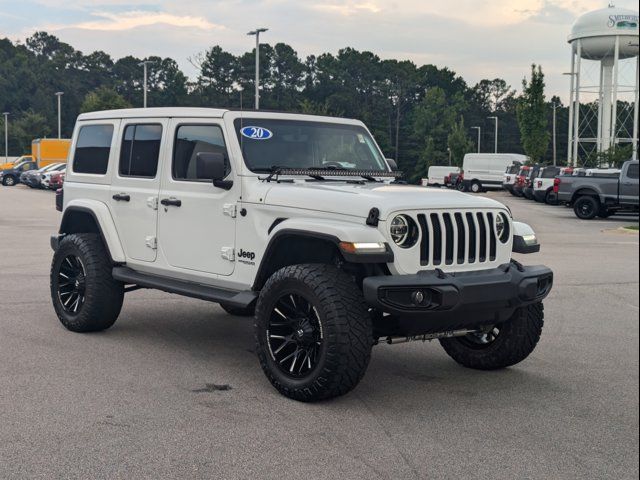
{"points": [[603, 108]]}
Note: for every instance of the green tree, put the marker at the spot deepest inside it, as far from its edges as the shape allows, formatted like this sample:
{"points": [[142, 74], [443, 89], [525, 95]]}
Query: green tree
{"points": [[103, 98], [459, 142], [532, 115]]}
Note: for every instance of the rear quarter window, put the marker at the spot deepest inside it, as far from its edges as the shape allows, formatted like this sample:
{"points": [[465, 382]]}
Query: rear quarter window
{"points": [[93, 148]]}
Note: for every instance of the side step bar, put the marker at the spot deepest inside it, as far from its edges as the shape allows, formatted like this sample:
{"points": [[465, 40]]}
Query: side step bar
{"points": [[239, 299]]}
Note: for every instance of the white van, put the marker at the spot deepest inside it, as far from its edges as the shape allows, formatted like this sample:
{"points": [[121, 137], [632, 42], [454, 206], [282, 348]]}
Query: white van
{"points": [[486, 170], [437, 174]]}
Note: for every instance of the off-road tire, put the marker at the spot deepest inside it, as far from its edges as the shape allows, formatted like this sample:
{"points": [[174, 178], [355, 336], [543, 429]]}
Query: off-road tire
{"points": [[345, 323], [550, 199], [517, 339], [103, 295], [586, 207], [9, 181], [238, 311]]}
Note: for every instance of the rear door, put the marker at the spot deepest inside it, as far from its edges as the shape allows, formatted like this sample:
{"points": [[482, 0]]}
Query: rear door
{"points": [[136, 184], [629, 184]]}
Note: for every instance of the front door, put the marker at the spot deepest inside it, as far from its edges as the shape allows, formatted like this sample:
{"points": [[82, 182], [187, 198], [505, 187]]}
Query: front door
{"points": [[629, 185], [136, 184], [197, 226]]}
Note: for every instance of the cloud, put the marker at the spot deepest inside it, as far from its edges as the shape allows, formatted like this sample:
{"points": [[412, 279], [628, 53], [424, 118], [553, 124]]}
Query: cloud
{"points": [[347, 8], [112, 22]]}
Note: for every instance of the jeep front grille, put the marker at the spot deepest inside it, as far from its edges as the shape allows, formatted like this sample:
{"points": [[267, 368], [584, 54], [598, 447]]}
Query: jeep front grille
{"points": [[451, 238]]}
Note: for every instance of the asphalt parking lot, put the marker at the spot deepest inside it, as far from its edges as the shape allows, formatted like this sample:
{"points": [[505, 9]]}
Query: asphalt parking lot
{"points": [[174, 389]]}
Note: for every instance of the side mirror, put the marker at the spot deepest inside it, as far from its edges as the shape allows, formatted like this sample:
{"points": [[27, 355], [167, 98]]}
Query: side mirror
{"points": [[212, 166], [392, 163]]}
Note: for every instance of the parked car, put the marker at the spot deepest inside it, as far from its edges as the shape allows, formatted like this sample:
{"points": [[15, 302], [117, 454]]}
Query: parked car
{"points": [[327, 268], [532, 174], [33, 178], [486, 170], [48, 178], [13, 161], [437, 175], [454, 180], [510, 175], [518, 186], [543, 184], [11, 176], [56, 180], [592, 196]]}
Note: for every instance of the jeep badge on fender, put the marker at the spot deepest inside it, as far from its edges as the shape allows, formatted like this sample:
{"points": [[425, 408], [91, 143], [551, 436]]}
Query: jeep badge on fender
{"points": [[324, 278]]}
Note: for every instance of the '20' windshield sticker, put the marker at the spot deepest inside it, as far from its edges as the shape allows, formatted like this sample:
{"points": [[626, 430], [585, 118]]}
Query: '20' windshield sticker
{"points": [[256, 133]]}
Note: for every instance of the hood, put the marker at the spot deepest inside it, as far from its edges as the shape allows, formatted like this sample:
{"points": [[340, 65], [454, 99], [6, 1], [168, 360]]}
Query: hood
{"points": [[357, 200]]}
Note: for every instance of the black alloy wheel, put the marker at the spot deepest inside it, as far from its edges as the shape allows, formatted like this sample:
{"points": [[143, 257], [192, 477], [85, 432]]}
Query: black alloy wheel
{"points": [[294, 335], [71, 284]]}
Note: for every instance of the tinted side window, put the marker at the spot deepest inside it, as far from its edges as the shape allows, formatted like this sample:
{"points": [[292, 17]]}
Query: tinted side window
{"points": [[550, 172], [632, 171], [140, 150], [191, 140], [92, 149]]}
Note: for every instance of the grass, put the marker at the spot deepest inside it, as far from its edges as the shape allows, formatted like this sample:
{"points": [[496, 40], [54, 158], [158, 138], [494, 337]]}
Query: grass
{"points": [[632, 227]]}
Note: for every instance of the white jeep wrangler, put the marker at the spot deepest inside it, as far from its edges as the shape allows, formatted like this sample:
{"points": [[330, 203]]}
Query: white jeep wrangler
{"points": [[299, 221]]}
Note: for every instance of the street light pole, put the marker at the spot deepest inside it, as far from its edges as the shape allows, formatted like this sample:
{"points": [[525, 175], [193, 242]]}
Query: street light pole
{"points": [[144, 86], [6, 136], [59, 95], [479, 130], [257, 33], [555, 156], [496, 133]]}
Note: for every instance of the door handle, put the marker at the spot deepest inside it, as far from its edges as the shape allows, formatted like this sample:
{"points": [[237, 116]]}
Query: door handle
{"points": [[171, 202], [121, 197]]}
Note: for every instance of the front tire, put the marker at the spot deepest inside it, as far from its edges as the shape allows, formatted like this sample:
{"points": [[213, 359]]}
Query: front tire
{"points": [[85, 296], [313, 332], [9, 181], [502, 346], [586, 208]]}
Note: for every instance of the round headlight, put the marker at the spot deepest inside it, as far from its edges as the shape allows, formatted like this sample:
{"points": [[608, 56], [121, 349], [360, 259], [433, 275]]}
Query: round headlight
{"points": [[502, 227], [404, 231]]}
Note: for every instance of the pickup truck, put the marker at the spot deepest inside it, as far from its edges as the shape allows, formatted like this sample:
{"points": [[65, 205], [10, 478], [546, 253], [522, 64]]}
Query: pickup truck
{"points": [[601, 196]]}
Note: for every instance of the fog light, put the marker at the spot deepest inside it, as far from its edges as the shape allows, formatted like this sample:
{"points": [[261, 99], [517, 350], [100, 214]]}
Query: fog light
{"points": [[420, 298]]}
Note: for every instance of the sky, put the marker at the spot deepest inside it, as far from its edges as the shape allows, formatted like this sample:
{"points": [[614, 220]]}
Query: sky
{"points": [[475, 38]]}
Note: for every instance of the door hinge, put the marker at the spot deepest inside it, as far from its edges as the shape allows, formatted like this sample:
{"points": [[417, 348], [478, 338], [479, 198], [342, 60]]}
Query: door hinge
{"points": [[152, 202], [151, 242], [230, 209], [228, 253]]}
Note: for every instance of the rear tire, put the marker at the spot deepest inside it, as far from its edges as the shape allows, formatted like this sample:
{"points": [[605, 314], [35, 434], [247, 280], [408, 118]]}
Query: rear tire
{"points": [[550, 198], [85, 296], [475, 187], [586, 207], [514, 342], [313, 332]]}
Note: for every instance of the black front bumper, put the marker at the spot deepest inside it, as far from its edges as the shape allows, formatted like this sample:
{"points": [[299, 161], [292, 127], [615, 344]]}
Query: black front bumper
{"points": [[457, 300]]}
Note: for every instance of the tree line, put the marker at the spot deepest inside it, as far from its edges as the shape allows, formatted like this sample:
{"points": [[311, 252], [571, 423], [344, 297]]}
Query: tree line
{"points": [[420, 115]]}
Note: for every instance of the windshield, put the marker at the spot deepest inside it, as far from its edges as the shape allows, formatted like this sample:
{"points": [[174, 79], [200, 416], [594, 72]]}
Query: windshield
{"points": [[306, 145]]}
